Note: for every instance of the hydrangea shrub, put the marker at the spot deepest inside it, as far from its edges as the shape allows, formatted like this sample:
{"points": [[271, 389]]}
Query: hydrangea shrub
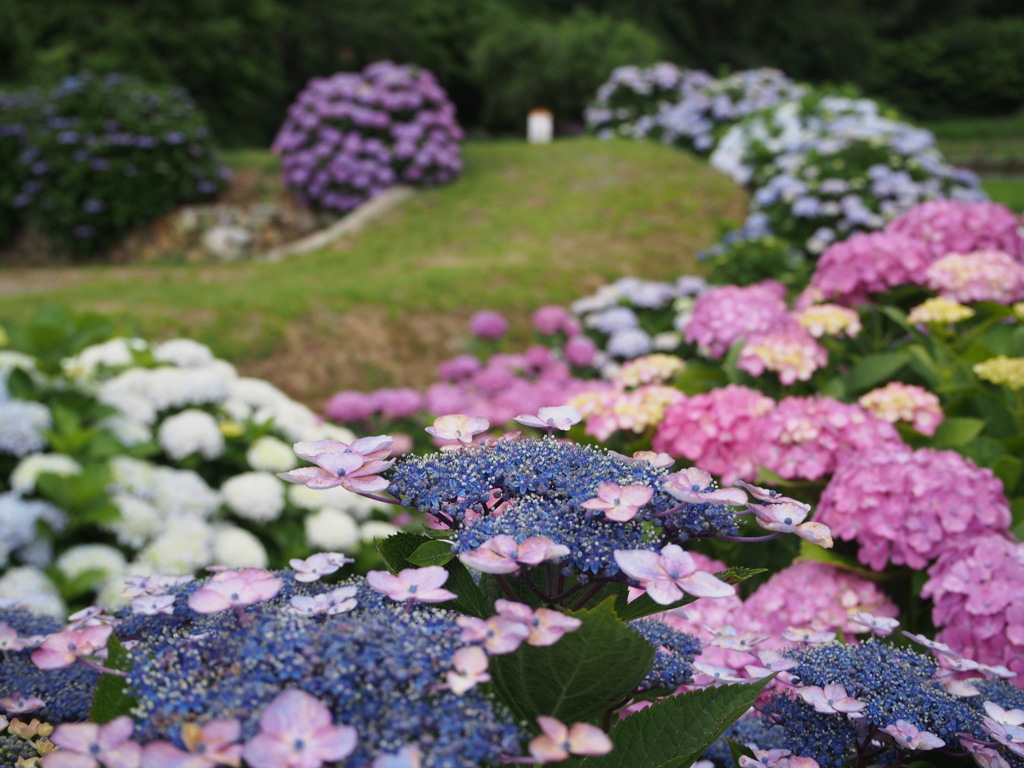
{"points": [[106, 153], [349, 136]]}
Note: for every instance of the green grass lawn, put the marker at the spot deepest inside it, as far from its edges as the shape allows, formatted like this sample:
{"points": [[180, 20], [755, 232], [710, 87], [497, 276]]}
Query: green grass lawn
{"points": [[524, 226]]}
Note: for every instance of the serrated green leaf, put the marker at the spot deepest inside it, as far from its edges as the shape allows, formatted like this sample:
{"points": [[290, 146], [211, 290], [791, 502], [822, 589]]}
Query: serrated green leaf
{"points": [[738, 749], [112, 698], [580, 677], [738, 574], [678, 730], [432, 552], [397, 548]]}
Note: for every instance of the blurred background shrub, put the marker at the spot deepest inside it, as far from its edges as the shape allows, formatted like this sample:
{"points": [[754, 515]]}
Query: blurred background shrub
{"points": [[243, 61]]}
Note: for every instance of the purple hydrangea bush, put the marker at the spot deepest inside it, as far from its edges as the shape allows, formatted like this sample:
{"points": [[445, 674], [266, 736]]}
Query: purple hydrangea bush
{"points": [[352, 135]]}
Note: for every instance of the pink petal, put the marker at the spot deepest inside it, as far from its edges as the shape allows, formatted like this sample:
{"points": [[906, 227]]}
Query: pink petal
{"points": [[75, 737], [310, 449], [163, 754], [587, 739], [312, 477], [63, 759], [639, 564], [537, 549]]}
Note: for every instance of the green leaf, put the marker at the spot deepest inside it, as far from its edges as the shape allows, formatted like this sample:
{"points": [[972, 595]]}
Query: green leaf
{"points": [[677, 730], [582, 676], [956, 432], [397, 548], [111, 698], [738, 750], [871, 370], [432, 553]]}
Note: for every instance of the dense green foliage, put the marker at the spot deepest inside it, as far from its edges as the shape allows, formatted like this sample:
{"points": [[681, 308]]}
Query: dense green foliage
{"points": [[245, 60], [101, 154]]}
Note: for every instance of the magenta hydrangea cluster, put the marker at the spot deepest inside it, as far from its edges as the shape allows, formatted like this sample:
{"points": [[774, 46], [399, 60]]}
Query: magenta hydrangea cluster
{"points": [[976, 605], [953, 226], [816, 595], [718, 431], [350, 136], [909, 507], [722, 316], [850, 270], [808, 438]]}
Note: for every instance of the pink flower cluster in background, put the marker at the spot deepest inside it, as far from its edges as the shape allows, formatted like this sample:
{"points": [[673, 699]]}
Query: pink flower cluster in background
{"points": [[609, 410], [850, 270], [976, 605], [951, 226], [908, 403], [909, 507], [789, 351], [808, 438], [977, 276], [727, 314], [718, 431]]}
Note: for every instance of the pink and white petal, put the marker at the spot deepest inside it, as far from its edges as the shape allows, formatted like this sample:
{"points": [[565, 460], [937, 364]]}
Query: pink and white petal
{"points": [[126, 755], [335, 743], [373, 447], [312, 477], [703, 584], [488, 561], [370, 484], [163, 754], [587, 739], [815, 533], [537, 549], [639, 564], [62, 759], [663, 591], [115, 732], [75, 737], [528, 420], [310, 449]]}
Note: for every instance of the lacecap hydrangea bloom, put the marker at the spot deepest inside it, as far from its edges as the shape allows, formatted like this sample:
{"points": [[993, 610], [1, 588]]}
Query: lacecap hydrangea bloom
{"points": [[953, 226], [976, 606], [350, 136], [909, 507], [718, 431], [977, 276]]}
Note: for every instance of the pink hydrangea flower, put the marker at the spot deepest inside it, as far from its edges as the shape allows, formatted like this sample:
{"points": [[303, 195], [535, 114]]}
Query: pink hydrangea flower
{"points": [[909, 736], [356, 467], [908, 508], [545, 626], [849, 271], [488, 324], [234, 589], [422, 585], [89, 745], [718, 431], [668, 574], [330, 603], [610, 410], [497, 634], [814, 594], [619, 502], [503, 554], [212, 744], [458, 427], [62, 649], [977, 276], [810, 437], [580, 351], [152, 605], [19, 703], [788, 517], [558, 741], [320, 564], [789, 351], [550, 418], [297, 731], [953, 226], [695, 486], [830, 700], [978, 616], [552, 318], [469, 668], [898, 402], [722, 316]]}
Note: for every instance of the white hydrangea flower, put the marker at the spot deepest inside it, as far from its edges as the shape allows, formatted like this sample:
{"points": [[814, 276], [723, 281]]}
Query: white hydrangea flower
{"points": [[127, 431], [337, 497], [332, 530], [256, 393], [21, 425], [131, 475], [256, 496], [178, 492], [28, 586], [236, 410], [237, 548], [140, 521], [82, 558], [293, 421], [24, 476], [191, 431], [268, 454], [184, 353], [185, 546], [373, 530], [115, 353]]}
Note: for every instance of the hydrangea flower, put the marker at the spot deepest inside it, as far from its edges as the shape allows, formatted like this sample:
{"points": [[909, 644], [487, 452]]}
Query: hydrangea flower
{"points": [[849, 271], [665, 576], [908, 507], [420, 584], [718, 431], [954, 226], [558, 741], [1008, 371], [828, 320], [488, 324], [608, 411], [296, 731], [977, 276], [722, 316], [939, 311], [898, 402], [790, 352]]}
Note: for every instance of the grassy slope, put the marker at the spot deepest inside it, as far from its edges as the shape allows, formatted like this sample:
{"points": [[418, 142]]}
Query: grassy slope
{"points": [[525, 226]]}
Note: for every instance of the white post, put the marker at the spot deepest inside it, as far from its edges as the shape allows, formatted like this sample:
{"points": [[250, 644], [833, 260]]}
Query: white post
{"points": [[539, 126]]}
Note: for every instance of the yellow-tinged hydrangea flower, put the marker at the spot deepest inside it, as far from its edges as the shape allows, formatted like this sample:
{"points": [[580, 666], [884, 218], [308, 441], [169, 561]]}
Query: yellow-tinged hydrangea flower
{"points": [[1002, 370], [610, 411], [231, 429], [897, 401], [649, 369], [829, 320], [1018, 310], [939, 310]]}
